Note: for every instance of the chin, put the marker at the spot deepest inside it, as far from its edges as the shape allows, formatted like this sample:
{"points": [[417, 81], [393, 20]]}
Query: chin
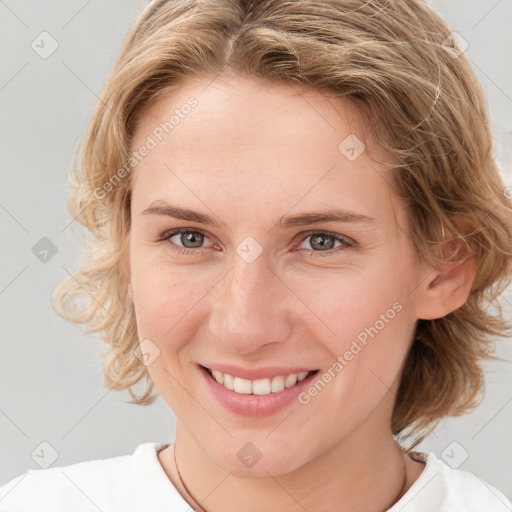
{"points": [[258, 460], [263, 468]]}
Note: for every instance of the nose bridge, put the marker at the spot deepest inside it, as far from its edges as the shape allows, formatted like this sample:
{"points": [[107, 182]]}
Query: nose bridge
{"points": [[250, 309]]}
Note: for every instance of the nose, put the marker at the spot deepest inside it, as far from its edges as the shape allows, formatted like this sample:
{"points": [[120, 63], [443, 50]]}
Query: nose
{"points": [[251, 308]]}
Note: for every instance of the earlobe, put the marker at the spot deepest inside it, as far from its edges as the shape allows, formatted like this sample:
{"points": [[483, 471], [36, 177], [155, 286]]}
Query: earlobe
{"points": [[445, 290]]}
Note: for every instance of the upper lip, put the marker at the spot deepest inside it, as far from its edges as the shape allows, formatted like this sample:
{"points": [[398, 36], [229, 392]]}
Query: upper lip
{"points": [[266, 372]]}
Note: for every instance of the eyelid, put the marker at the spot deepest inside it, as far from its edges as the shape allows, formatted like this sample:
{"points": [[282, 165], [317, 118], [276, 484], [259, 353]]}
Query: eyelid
{"points": [[345, 239], [348, 242], [166, 235]]}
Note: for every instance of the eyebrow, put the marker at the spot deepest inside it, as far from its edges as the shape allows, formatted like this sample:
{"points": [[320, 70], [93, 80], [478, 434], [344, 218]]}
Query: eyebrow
{"points": [[302, 219]]}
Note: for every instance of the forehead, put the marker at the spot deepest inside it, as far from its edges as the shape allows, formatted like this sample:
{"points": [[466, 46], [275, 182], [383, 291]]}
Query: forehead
{"points": [[260, 146]]}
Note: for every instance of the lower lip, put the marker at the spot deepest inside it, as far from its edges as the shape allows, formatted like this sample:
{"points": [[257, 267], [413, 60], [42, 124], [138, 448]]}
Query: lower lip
{"points": [[254, 405]]}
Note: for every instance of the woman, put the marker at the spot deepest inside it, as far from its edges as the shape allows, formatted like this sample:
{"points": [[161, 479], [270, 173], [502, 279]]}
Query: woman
{"points": [[298, 230]]}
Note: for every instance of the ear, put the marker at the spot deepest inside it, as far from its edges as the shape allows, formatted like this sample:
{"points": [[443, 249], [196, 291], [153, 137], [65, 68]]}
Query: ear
{"points": [[446, 289]]}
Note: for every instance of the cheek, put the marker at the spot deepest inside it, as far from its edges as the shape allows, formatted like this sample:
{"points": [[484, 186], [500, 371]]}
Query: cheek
{"points": [[163, 300], [370, 326], [374, 323], [161, 290], [352, 304], [168, 302]]}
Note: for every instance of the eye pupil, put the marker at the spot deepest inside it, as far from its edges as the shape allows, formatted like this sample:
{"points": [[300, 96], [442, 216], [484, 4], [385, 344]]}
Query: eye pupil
{"points": [[322, 244], [192, 236], [319, 242]]}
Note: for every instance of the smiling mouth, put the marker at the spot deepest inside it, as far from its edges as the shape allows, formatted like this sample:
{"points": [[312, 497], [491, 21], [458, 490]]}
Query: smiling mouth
{"points": [[260, 386]]}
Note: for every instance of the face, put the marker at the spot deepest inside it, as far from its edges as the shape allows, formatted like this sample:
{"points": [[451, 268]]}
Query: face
{"points": [[257, 289]]}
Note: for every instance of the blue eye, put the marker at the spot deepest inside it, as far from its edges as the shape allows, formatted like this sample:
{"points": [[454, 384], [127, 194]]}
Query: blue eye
{"points": [[322, 240], [319, 240], [187, 236]]}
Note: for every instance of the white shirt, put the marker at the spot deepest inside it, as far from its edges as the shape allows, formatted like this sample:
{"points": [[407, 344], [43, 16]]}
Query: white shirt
{"points": [[138, 483]]}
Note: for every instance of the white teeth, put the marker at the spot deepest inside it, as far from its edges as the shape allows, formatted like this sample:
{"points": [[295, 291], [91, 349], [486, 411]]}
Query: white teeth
{"points": [[277, 384], [219, 376], [290, 380], [302, 376], [260, 386], [228, 381], [242, 386]]}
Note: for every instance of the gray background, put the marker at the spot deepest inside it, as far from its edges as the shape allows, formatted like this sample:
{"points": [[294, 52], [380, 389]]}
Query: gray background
{"points": [[50, 376]]}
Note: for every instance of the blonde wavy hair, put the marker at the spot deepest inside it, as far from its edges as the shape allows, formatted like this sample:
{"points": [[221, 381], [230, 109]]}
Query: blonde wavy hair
{"points": [[392, 58]]}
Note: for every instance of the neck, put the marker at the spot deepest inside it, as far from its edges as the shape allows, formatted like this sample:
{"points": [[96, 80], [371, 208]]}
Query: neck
{"points": [[356, 474]]}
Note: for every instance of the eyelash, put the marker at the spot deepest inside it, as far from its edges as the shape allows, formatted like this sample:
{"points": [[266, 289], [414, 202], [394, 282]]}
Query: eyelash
{"points": [[185, 250]]}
